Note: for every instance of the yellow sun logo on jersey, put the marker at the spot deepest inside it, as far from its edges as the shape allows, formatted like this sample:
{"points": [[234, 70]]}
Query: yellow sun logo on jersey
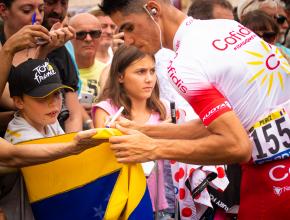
{"points": [[271, 66]]}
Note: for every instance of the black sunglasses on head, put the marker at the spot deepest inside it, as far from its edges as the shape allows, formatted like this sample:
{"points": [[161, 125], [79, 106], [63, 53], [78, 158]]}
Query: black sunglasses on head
{"points": [[280, 19], [81, 35]]}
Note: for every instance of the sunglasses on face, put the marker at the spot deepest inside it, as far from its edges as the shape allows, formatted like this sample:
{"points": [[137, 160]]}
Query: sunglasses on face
{"points": [[81, 35], [280, 19], [268, 36]]}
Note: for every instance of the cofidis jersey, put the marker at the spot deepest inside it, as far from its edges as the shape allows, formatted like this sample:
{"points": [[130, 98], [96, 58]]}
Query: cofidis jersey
{"points": [[221, 66]]}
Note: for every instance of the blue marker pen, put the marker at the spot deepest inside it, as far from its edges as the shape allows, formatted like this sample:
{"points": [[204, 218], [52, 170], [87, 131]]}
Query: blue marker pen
{"points": [[39, 41], [33, 19]]}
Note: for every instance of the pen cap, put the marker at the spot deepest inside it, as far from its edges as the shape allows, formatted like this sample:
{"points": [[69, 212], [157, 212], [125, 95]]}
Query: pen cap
{"points": [[172, 105], [33, 19]]}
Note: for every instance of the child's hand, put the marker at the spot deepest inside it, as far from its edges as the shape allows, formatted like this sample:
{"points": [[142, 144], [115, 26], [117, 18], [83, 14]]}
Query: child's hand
{"points": [[83, 140]]}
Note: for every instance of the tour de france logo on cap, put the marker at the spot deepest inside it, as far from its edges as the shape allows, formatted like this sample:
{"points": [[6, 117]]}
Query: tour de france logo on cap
{"points": [[43, 72]]}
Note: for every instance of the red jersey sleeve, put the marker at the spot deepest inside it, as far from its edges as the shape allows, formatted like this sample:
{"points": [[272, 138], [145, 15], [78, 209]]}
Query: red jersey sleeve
{"points": [[208, 103]]}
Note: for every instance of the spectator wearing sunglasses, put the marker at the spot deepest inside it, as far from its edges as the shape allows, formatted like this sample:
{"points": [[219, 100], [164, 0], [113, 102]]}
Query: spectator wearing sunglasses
{"points": [[275, 9], [88, 33], [262, 24]]}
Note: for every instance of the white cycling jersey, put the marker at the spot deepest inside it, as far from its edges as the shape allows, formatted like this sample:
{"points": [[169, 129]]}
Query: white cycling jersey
{"points": [[221, 66]]}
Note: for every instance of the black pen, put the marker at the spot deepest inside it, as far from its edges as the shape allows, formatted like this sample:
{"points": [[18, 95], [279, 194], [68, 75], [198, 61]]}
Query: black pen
{"points": [[173, 112]]}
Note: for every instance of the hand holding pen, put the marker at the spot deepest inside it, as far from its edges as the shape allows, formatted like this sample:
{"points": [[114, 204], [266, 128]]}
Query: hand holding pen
{"points": [[25, 37], [113, 119], [39, 40], [58, 36]]}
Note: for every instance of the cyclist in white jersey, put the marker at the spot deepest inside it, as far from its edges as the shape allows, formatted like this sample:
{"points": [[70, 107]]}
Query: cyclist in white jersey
{"points": [[235, 82]]}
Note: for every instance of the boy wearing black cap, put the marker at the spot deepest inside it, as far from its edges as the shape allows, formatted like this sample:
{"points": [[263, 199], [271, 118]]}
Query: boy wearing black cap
{"points": [[35, 88]]}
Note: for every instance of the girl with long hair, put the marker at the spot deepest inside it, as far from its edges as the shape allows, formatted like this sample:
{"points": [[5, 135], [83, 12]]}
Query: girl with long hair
{"points": [[132, 83]]}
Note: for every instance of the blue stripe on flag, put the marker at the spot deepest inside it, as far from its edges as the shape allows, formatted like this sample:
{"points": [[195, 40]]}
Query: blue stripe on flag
{"points": [[144, 209], [84, 203]]}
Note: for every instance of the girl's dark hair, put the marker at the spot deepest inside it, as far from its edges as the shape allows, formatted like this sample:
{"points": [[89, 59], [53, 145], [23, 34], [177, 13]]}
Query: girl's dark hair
{"points": [[7, 3], [258, 20], [114, 90]]}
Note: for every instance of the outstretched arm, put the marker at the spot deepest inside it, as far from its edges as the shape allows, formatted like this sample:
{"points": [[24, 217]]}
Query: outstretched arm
{"points": [[189, 130], [6, 57], [227, 142], [31, 154]]}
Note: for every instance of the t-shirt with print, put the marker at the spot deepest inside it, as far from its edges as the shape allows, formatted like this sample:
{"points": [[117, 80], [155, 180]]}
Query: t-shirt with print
{"points": [[20, 130], [90, 78], [111, 109], [231, 68]]}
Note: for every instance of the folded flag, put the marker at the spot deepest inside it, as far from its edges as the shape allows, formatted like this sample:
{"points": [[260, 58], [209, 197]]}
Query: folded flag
{"points": [[91, 185]]}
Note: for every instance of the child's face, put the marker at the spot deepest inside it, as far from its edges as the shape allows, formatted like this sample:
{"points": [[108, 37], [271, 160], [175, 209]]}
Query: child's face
{"points": [[139, 78], [40, 112]]}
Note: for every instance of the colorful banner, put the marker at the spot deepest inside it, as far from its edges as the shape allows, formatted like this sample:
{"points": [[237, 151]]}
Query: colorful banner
{"points": [[91, 185]]}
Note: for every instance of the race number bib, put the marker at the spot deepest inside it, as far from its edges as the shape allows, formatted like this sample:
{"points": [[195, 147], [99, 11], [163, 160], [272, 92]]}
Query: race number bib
{"points": [[271, 137]]}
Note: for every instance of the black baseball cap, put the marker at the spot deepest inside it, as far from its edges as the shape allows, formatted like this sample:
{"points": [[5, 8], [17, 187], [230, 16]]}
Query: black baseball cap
{"points": [[35, 77]]}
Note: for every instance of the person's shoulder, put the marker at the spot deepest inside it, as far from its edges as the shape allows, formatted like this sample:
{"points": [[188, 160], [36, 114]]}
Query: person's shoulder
{"points": [[59, 52], [155, 116], [204, 33], [212, 27], [19, 130], [108, 106], [60, 55], [225, 24], [164, 53], [218, 21]]}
